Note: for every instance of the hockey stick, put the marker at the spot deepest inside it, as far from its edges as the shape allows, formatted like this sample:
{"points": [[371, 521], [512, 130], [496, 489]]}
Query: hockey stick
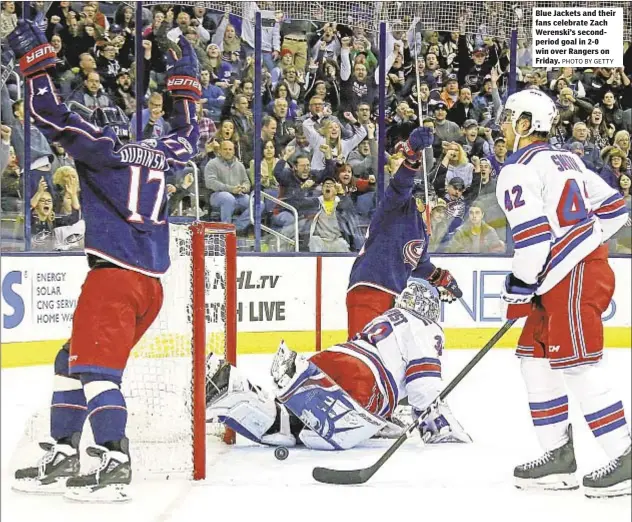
{"points": [[360, 476], [423, 153]]}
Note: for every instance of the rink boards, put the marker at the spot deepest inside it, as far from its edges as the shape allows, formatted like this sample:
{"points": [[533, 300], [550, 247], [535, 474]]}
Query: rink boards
{"points": [[277, 300]]}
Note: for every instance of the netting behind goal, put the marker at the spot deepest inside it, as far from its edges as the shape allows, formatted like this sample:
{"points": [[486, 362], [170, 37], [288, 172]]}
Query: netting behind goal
{"points": [[161, 379], [164, 382], [495, 19]]}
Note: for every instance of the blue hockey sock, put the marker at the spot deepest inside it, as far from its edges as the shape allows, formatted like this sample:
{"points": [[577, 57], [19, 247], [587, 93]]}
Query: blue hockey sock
{"points": [[107, 410], [68, 408]]}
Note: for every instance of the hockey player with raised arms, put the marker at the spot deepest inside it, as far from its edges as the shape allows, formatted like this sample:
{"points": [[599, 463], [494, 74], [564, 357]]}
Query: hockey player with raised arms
{"points": [[124, 204], [396, 246], [561, 215], [342, 396]]}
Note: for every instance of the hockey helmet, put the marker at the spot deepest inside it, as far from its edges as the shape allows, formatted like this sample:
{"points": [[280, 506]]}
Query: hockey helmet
{"points": [[532, 104], [114, 118], [420, 299]]}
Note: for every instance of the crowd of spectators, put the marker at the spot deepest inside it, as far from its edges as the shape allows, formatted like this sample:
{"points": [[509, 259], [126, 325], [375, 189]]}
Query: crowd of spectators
{"points": [[319, 123]]}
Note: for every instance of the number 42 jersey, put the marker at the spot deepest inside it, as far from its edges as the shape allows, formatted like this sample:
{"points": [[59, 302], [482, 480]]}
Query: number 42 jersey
{"points": [[558, 211], [123, 193]]}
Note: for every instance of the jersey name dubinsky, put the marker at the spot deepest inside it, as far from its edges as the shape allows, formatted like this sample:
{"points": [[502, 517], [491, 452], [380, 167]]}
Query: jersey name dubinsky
{"points": [[152, 159]]}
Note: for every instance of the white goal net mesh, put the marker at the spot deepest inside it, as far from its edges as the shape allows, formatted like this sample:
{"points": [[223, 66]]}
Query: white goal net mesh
{"points": [[158, 380], [488, 18]]}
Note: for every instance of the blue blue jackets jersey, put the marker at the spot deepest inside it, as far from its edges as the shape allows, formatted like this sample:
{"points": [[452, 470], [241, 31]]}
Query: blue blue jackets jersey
{"points": [[123, 193], [396, 247]]}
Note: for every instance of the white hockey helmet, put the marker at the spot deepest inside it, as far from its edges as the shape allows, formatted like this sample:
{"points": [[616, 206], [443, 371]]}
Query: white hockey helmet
{"points": [[420, 299], [533, 104]]}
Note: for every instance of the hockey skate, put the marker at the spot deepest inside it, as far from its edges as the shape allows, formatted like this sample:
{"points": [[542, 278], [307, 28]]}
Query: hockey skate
{"points": [[108, 482], [442, 427], [60, 462], [555, 470], [612, 480]]}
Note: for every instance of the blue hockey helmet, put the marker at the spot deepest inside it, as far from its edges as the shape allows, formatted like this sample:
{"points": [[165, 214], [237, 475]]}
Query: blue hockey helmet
{"points": [[115, 119], [420, 299]]}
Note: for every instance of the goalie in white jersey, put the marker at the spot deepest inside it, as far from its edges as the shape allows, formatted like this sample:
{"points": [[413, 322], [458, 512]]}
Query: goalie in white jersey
{"points": [[342, 396], [561, 215]]}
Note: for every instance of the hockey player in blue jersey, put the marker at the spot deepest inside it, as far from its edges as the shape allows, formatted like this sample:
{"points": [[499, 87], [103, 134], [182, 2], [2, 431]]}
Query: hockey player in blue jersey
{"points": [[396, 247], [124, 205]]}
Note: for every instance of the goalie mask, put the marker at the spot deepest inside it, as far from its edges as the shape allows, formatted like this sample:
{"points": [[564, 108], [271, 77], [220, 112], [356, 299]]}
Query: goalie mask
{"points": [[115, 119], [421, 300]]}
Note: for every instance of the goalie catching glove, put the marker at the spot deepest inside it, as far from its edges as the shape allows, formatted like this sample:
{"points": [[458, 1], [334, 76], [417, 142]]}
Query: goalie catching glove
{"points": [[183, 74], [443, 281], [30, 46]]}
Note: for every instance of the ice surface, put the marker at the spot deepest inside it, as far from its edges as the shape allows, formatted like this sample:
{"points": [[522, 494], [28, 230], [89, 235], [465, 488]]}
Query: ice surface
{"points": [[443, 483]]}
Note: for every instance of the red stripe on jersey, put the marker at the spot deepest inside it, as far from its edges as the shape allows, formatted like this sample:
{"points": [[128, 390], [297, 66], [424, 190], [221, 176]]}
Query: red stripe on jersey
{"points": [[526, 234], [569, 238], [423, 367], [612, 207]]}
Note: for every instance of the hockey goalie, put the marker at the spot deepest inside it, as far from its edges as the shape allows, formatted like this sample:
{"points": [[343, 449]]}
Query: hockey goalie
{"points": [[342, 396]]}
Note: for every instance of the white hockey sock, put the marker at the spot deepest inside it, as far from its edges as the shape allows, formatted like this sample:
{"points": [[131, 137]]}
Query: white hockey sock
{"points": [[602, 409], [548, 401]]}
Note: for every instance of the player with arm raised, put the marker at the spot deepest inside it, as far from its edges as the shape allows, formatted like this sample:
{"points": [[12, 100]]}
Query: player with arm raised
{"points": [[396, 246], [342, 396], [124, 205], [561, 215]]}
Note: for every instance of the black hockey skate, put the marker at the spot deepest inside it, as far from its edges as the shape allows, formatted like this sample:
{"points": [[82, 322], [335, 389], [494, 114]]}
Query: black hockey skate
{"points": [[109, 481], [60, 462], [612, 480], [555, 470]]}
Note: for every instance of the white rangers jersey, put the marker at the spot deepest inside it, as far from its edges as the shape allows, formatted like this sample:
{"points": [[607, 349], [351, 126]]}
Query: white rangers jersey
{"points": [[402, 350], [558, 210]]}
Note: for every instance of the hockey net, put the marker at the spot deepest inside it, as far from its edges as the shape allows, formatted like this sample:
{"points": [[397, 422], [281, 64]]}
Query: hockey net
{"points": [[164, 382], [489, 18]]}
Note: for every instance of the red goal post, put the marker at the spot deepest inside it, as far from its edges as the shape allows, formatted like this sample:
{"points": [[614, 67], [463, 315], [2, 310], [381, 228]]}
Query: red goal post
{"points": [[164, 383], [205, 240]]}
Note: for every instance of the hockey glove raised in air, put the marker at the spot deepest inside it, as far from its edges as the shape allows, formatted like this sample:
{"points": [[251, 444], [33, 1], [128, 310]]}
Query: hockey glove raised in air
{"points": [[443, 280], [183, 74], [516, 297], [30, 46], [412, 149]]}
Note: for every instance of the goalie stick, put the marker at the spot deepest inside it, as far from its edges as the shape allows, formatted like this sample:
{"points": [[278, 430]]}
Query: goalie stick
{"points": [[360, 476]]}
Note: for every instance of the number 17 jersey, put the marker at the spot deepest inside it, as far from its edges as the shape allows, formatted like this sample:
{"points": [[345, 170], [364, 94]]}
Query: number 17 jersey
{"points": [[558, 210], [123, 192]]}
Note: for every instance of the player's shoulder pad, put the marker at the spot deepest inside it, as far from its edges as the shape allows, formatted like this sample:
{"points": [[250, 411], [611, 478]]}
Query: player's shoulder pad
{"points": [[516, 169], [516, 173]]}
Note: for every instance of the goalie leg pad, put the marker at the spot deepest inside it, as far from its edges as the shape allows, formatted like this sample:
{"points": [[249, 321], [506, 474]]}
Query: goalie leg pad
{"points": [[249, 411], [327, 410]]}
